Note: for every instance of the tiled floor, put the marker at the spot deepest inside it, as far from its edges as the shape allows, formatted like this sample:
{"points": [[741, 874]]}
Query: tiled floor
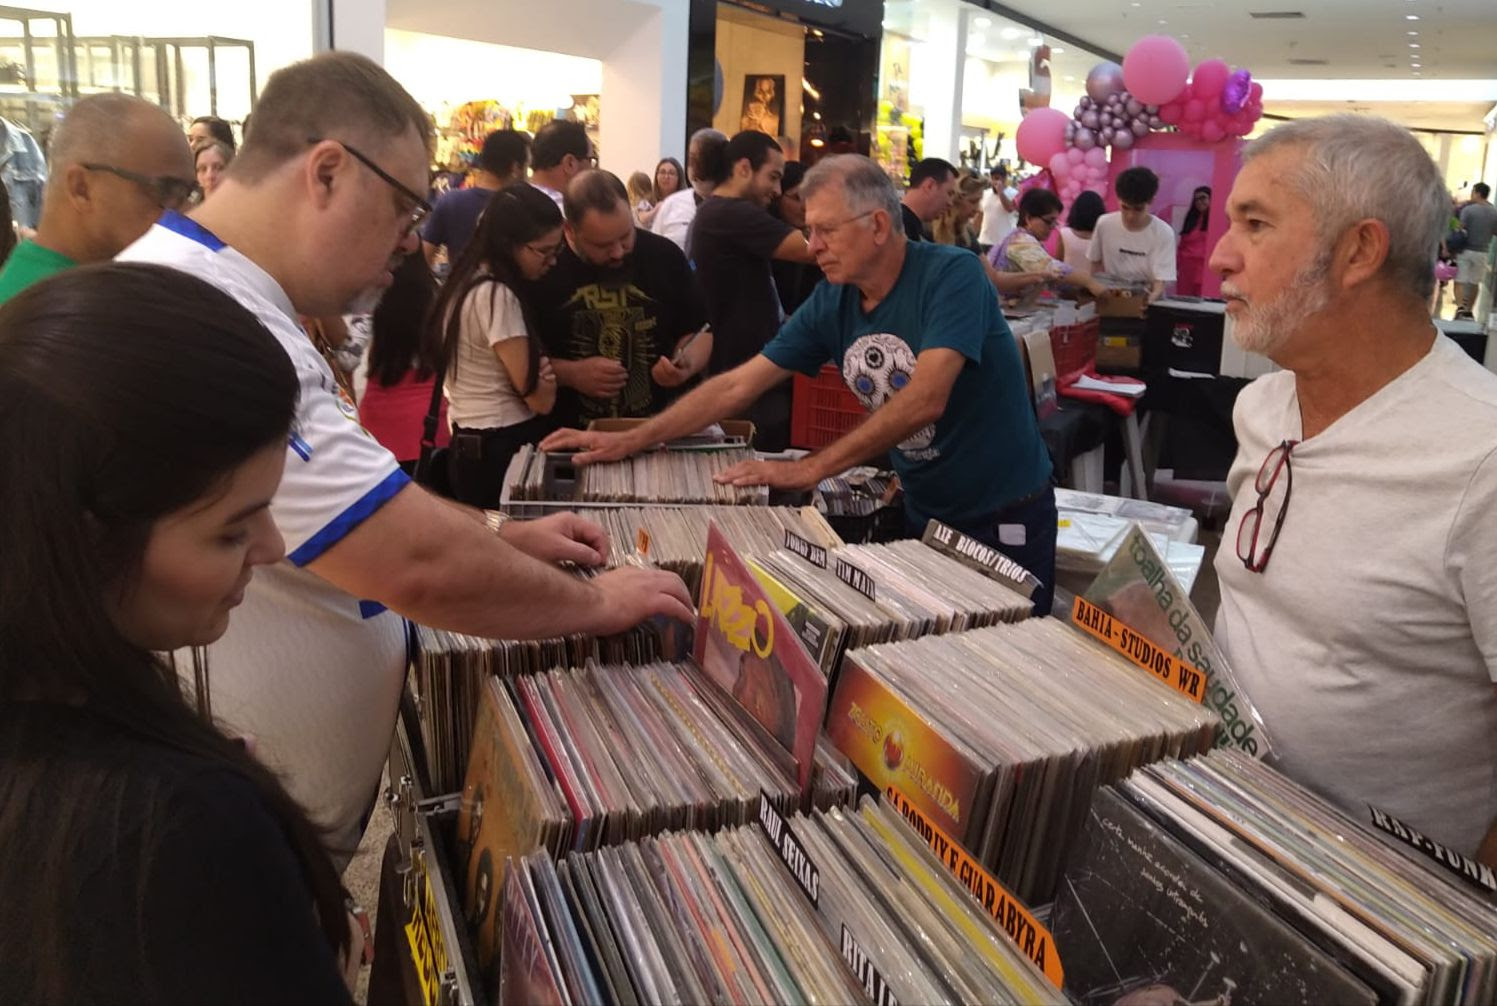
{"points": [[362, 876]]}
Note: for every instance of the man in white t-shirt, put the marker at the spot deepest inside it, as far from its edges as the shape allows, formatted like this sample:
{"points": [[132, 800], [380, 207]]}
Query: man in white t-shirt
{"points": [[704, 166], [309, 220], [998, 208], [560, 152], [1132, 244], [1359, 570]]}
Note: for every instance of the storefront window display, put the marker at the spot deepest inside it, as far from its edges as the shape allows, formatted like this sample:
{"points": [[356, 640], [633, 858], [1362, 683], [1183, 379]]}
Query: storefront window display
{"points": [[194, 59], [473, 88]]}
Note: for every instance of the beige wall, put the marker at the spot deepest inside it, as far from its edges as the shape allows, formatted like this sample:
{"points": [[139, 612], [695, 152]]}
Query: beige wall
{"points": [[750, 43]]}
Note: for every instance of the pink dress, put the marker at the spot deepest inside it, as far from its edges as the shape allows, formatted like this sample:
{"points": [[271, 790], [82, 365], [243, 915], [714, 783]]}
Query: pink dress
{"points": [[394, 415], [1190, 263]]}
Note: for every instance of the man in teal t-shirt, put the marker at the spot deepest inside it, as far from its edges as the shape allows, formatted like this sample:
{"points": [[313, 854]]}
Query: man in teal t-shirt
{"points": [[117, 162], [921, 341]]}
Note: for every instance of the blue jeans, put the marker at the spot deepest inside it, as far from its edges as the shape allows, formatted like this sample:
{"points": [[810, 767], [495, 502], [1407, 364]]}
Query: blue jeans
{"points": [[1033, 547]]}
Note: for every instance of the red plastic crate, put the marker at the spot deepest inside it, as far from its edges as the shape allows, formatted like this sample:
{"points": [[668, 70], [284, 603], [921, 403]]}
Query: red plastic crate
{"points": [[1075, 347], [822, 409]]}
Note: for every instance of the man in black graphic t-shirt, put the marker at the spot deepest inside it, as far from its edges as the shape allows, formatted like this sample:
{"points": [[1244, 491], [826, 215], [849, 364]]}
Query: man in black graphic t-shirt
{"points": [[732, 241], [614, 310]]}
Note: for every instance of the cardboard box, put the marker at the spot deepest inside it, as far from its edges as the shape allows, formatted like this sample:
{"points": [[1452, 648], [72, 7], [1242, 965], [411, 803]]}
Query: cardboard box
{"points": [[1122, 304], [732, 427]]}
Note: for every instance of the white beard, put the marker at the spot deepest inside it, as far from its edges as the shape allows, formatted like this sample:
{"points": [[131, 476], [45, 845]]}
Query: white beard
{"points": [[1264, 327]]}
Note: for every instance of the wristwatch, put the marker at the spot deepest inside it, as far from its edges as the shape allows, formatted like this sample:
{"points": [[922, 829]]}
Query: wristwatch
{"points": [[495, 519]]}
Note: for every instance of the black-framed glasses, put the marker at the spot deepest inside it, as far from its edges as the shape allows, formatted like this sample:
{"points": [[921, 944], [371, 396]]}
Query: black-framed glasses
{"points": [[166, 191], [421, 208], [1248, 531]]}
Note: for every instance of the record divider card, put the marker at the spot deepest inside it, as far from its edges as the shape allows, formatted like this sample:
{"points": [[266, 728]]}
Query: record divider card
{"points": [[985, 559], [1139, 651]]}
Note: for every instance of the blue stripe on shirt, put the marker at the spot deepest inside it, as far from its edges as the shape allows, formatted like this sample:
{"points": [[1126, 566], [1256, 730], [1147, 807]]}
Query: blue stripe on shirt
{"points": [[339, 527], [177, 223]]}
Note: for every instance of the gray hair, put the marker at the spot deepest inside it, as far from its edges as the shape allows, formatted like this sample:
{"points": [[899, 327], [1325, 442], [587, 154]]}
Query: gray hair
{"points": [[1358, 167], [863, 183], [101, 127]]}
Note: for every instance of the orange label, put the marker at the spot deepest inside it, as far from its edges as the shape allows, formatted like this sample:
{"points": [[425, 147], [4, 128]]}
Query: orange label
{"points": [[1139, 650], [1033, 940], [642, 543]]}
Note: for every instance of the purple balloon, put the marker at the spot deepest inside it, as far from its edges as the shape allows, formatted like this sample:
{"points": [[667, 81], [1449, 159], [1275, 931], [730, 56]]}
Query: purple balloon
{"points": [[1085, 139], [1133, 106], [1104, 79], [1107, 136], [1236, 92], [1114, 101], [1155, 122], [1152, 109], [1122, 140], [1140, 128], [1089, 119]]}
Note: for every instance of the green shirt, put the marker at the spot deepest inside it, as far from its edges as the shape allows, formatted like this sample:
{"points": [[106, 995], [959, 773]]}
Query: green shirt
{"points": [[29, 264]]}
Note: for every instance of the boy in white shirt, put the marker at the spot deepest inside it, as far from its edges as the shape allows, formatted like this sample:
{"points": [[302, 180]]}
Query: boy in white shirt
{"points": [[1132, 244]]}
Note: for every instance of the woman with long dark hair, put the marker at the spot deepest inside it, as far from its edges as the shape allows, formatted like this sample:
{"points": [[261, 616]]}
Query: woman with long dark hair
{"points": [[402, 366], [148, 857], [500, 387], [1190, 250], [1076, 235]]}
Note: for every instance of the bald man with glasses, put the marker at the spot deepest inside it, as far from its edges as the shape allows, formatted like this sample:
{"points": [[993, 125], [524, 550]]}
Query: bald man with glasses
{"points": [[117, 164]]}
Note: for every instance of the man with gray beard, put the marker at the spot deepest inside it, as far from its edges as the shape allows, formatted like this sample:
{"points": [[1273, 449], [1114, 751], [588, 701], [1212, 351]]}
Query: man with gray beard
{"points": [[1359, 578]]}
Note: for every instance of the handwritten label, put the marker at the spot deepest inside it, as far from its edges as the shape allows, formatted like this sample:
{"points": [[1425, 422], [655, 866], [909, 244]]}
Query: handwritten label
{"points": [[985, 559], [1033, 940], [856, 579], [814, 554], [791, 852], [1139, 650], [1462, 866], [423, 933], [874, 987]]}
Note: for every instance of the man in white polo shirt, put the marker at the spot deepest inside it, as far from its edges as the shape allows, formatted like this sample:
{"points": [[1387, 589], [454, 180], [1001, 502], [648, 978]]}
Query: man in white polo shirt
{"points": [[1359, 578], [309, 221]]}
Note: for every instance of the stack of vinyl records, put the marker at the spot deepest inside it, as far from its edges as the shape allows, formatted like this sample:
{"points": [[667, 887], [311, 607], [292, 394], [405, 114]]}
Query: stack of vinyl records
{"points": [[867, 594], [868, 914], [663, 476], [1001, 735], [578, 760], [675, 538], [1256, 891]]}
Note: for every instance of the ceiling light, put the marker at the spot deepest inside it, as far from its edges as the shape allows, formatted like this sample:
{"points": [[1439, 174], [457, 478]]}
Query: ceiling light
{"points": [[1036, 40], [1411, 17], [1056, 50], [1070, 77], [1413, 33], [1413, 45], [1011, 33], [1185, 35], [982, 22], [1162, 21]]}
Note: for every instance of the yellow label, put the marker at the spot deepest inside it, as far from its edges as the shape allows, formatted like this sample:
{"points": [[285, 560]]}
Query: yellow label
{"points": [[424, 935], [1033, 940], [1139, 650], [1063, 522], [743, 625]]}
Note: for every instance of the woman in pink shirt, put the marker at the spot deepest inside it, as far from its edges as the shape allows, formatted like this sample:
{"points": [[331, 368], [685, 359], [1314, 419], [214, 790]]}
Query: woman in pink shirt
{"points": [[398, 394]]}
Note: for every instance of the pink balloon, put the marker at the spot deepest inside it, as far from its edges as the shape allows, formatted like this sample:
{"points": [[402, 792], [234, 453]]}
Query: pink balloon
{"points": [[1255, 93], [1212, 132], [1171, 114], [1195, 110], [1096, 157], [1209, 79], [1155, 69], [1060, 165], [1042, 135], [1075, 156]]}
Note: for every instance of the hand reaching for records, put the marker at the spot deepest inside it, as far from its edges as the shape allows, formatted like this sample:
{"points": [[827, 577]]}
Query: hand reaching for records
{"points": [[775, 474], [594, 445], [560, 537], [632, 594]]}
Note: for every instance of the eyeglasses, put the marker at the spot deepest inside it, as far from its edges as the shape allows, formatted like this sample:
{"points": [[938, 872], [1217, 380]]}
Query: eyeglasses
{"points": [[166, 191], [421, 209], [825, 233], [547, 253], [1252, 521]]}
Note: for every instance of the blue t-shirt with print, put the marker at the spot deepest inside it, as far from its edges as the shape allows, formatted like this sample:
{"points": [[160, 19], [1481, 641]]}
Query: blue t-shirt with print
{"points": [[985, 451]]}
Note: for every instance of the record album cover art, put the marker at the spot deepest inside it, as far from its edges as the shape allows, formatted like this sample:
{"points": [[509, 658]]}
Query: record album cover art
{"points": [[1142, 921]]}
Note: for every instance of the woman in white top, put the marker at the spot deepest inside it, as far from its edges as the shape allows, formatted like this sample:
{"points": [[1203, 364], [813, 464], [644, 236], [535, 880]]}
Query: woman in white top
{"points": [[500, 388], [1076, 235]]}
